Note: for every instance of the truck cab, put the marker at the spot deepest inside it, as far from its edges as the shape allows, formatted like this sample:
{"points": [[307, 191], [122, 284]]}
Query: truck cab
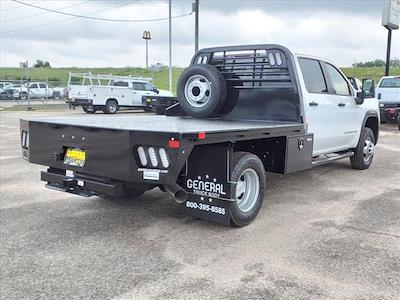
{"points": [[332, 110]]}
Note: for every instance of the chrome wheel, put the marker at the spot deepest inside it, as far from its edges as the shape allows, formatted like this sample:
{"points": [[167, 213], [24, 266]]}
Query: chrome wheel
{"points": [[368, 149], [247, 190], [198, 90]]}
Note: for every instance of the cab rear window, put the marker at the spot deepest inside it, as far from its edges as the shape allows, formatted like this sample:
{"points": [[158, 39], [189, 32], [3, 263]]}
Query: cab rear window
{"points": [[390, 83]]}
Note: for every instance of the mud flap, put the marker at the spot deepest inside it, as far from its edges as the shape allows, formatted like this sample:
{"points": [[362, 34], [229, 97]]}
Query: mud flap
{"points": [[207, 181]]}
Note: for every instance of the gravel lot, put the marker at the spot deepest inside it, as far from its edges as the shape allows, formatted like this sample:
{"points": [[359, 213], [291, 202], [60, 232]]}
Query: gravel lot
{"points": [[327, 233]]}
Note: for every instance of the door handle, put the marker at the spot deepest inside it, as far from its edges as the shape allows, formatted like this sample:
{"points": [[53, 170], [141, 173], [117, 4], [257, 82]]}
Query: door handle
{"points": [[342, 104], [313, 103]]}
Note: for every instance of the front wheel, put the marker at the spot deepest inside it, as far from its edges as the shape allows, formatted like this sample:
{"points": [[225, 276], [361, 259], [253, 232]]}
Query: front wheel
{"points": [[23, 96], [249, 174], [364, 152]]}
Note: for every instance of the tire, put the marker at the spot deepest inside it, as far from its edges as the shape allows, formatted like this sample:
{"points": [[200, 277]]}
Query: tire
{"points": [[23, 96], [364, 152], [56, 95], [248, 168], [159, 110], [111, 107], [89, 109], [201, 90]]}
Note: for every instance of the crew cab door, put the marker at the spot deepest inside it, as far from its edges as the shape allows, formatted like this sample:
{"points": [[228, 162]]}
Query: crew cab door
{"points": [[34, 90], [320, 108], [43, 91], [142, 89], [348, 114]]}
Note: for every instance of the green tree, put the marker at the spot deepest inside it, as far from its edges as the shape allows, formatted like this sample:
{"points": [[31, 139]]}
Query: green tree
{"points": [[41, 64]]}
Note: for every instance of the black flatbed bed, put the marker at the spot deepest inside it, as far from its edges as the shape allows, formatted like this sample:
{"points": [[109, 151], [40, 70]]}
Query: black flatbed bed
{"points": [[167, 124]]}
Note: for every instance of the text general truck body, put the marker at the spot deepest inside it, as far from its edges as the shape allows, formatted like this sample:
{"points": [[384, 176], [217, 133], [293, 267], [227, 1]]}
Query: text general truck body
{"points": [[242, 111]]}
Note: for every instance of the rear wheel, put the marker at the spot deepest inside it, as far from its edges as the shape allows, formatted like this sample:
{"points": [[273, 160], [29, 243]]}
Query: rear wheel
{"points": [[364, 152], [249, 174], [89, 109], [111, 107]]}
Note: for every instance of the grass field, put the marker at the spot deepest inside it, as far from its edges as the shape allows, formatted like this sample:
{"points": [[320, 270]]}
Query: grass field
{"points": [[160, 78]]}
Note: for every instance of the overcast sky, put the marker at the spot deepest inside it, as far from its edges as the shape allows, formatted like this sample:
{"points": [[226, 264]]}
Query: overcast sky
{"points": [[340, 30]]}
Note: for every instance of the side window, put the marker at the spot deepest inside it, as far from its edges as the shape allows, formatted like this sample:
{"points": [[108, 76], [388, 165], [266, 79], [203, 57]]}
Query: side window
{"points": [[33, 86], [339, 84], [149, 87], [138, 86], [121, 83], [42, 85], [313, 76]]}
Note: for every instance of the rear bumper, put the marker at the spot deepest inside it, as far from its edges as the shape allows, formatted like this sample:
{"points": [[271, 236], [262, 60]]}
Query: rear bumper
{"points": [[158, 101], [80, 185], [79, 102]]}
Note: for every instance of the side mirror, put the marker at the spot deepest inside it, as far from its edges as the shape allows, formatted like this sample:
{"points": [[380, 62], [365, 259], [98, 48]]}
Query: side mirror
{"points": [[368, 88], [359, 98], [156, 90]]}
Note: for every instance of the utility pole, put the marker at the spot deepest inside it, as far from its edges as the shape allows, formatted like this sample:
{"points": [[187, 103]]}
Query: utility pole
{"points": [[195, 9], [389, 44], [390, 20], [25, 66], [170, 45], [147, 37]]}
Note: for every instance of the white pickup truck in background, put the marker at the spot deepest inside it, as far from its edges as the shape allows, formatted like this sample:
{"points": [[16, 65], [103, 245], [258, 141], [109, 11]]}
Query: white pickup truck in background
{"points": [[109, 93], [35, 90], [388, 94]]}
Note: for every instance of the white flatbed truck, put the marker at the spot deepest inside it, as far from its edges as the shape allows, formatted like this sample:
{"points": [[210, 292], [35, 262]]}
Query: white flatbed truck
{"points": [[264, 109]]}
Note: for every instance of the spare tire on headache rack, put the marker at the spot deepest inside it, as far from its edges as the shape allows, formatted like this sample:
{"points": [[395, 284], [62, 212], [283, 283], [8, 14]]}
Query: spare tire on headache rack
{"points": [[201, 90]]}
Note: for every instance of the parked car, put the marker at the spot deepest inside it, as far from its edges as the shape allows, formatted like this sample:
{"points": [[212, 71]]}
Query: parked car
{"points": [[388, 94], [10, 93], [242, 111], [38, 90], [4, 84]]}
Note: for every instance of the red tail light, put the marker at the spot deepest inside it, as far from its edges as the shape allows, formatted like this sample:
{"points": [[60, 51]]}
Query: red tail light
{"points": [[201, 135], [174, 144]]}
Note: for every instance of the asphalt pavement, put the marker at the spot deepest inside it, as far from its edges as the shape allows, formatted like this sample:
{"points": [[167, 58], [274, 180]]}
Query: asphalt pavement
{"points": [[327, 233]]}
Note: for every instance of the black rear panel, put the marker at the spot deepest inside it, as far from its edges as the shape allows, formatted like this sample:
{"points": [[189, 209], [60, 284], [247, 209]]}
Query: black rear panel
{"points": [[260, 79]]}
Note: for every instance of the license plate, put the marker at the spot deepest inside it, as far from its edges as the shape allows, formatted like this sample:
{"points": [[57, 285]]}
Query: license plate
{"points": [[75, 157]]}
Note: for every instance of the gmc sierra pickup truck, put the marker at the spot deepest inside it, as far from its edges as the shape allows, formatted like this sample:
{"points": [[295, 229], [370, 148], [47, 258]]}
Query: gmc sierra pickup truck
{"points": [[242, 111]]}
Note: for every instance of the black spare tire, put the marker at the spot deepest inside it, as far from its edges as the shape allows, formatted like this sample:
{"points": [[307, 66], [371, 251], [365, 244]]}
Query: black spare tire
{"points": [[201, 90]]}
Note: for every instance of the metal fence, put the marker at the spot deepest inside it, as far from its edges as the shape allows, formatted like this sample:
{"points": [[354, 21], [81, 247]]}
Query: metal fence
{"points": [[23, 92]]}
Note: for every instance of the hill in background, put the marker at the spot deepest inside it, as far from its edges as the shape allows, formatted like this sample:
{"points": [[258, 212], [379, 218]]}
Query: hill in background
{"points": [[59, 76]]}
